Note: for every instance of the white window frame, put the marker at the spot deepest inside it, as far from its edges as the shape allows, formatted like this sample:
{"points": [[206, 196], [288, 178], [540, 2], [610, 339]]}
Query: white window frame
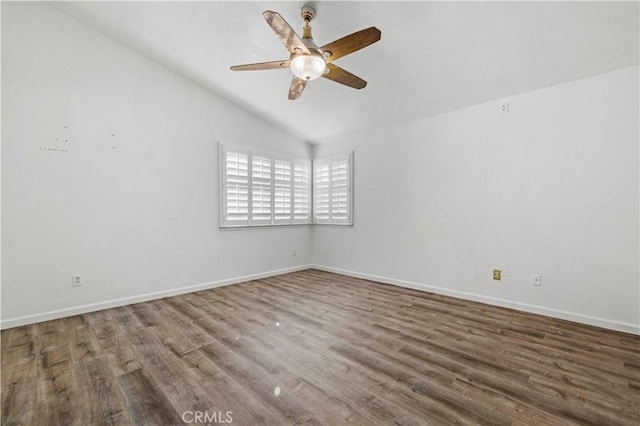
{"points": [[338, 182], [294, 184]]}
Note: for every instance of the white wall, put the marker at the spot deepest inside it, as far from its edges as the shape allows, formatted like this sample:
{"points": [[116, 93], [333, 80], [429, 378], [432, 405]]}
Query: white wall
{"points": [[131, 200], [549, 188]]}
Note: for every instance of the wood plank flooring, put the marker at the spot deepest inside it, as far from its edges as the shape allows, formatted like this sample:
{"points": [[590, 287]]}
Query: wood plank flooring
{"points": [[317, 348]]}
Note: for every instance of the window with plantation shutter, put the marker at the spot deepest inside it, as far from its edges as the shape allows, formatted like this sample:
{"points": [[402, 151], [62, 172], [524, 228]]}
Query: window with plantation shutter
{"points": [[261, 192], [332, 190], [261, 189], [301, 191], [321, 191], [282, 191], [236, 183]]}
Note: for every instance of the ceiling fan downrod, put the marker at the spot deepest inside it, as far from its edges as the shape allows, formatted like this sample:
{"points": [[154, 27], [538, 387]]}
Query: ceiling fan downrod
{"points": [[307, 14]]}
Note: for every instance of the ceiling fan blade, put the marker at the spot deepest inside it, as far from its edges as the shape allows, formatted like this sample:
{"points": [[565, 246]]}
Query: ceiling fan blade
{"points": [[342, 76], [273, 65], [285, 33], [296, 88], [351, 43]]}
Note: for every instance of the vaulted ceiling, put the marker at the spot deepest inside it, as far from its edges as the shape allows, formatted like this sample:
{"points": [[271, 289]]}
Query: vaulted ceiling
{"points": [[434, 57]]}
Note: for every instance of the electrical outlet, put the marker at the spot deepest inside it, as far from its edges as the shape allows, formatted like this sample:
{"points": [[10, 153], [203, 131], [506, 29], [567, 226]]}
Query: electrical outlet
{"points": [[504, 107], [536, 280], [76, 280], [295, 252], [497, 274]]}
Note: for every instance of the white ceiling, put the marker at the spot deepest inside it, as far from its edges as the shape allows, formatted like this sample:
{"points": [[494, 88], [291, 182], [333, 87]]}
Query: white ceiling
{"points": [[434, 57]]}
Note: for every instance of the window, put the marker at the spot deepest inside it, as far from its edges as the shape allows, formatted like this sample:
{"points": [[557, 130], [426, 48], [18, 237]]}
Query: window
{"points": [[236, 165], [282, 191], [301, 191], [259, 189], [332, 190]]}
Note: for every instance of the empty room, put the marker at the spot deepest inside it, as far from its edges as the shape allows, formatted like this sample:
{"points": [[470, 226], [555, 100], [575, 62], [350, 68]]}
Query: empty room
{"points": [[320, 213]]}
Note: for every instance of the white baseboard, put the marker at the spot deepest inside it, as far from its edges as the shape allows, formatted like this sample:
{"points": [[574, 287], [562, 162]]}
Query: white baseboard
{"points": [[550, 312], [98, 306]]}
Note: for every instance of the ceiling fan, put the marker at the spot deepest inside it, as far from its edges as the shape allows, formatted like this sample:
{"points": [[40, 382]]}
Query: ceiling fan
{"points": [[308, 61]]}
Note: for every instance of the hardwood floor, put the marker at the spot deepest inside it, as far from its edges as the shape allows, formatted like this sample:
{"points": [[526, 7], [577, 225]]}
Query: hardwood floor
{"points": [[317, 348]]}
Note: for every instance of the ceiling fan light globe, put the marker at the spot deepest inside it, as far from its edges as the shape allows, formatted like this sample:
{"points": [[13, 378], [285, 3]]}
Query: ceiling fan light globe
{"points": [[308, 67]]}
